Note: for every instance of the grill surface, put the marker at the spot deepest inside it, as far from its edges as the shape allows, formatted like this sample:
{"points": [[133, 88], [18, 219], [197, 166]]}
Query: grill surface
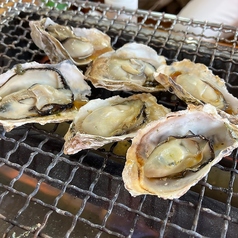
{"points": [[44, 193]]}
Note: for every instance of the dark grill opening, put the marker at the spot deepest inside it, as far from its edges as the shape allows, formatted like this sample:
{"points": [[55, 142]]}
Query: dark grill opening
{"points": [[44, 193]]}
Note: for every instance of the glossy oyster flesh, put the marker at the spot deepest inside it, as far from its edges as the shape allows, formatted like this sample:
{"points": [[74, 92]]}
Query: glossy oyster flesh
{"points": [[195, 83], [130, 68], [100, 122], [33, 91], [35, 101], [170, 155], [60, 42]]}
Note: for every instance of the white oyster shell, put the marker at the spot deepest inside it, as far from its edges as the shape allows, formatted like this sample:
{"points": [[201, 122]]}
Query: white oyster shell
{"points": [[98, 113], [129, 68], [195, 83], [63, 116], [93, 42], [200, 120], [16, 80]]}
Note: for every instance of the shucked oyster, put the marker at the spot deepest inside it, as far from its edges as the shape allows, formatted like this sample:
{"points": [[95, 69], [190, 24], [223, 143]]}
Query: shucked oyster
{"points": [[170, 155], [114, 119], [195, 83], [43, 93], [60, 42], [130, 68]]}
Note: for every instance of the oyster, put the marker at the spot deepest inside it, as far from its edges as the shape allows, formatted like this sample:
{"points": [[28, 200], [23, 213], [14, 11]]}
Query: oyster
{"points": [[195, 83], [43, 93], [59, 42], [170, 155], [130, 68], [100, 122]]}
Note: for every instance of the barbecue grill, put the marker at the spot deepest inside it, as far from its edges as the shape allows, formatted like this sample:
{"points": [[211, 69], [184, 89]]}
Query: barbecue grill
{"points": [[45, 193]]}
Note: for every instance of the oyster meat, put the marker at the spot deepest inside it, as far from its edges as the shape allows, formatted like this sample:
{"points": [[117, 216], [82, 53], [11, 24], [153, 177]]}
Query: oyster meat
{"points": [[195, 83], [170, 155], [42, 93], [100, 122], [60, 42], [130, 68]]}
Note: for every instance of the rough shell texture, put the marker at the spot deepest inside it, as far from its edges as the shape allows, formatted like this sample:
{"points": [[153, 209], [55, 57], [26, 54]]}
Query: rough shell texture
{"points": [[73, 78], [56, 52], [76, 139], [198, 120], [64, 116], [168, 75], [100, 74]]}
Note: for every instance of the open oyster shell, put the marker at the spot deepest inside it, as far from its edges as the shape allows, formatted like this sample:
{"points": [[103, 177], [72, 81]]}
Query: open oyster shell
{"points": [[81, 45], [170, 155], [41, 93], [195, 83], [130, 68], [100, 122]]}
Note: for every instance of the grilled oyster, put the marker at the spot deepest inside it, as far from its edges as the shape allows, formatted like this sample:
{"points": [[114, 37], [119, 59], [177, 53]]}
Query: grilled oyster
{"points": [[195, 83], [130, 68], [100, 122], [43, 93], [170, 155], [59, 42]]}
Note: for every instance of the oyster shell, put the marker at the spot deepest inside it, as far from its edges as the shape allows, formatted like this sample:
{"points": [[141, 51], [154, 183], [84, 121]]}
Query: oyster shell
{"points": [[170, 155], [130, 68], [100, 122], [195, 83], [42, 93], [59, 42]]}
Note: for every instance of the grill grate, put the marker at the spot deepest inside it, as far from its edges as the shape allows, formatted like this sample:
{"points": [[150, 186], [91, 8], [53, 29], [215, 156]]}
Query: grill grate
{"points": [[44, 193]]}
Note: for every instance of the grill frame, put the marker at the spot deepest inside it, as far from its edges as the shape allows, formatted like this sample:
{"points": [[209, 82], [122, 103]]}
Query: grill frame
{"points": [[87, 188]]}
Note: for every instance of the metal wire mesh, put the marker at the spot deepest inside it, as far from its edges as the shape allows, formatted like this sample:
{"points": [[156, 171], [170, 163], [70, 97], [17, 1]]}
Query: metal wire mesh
{"points": [[44, 193]]}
